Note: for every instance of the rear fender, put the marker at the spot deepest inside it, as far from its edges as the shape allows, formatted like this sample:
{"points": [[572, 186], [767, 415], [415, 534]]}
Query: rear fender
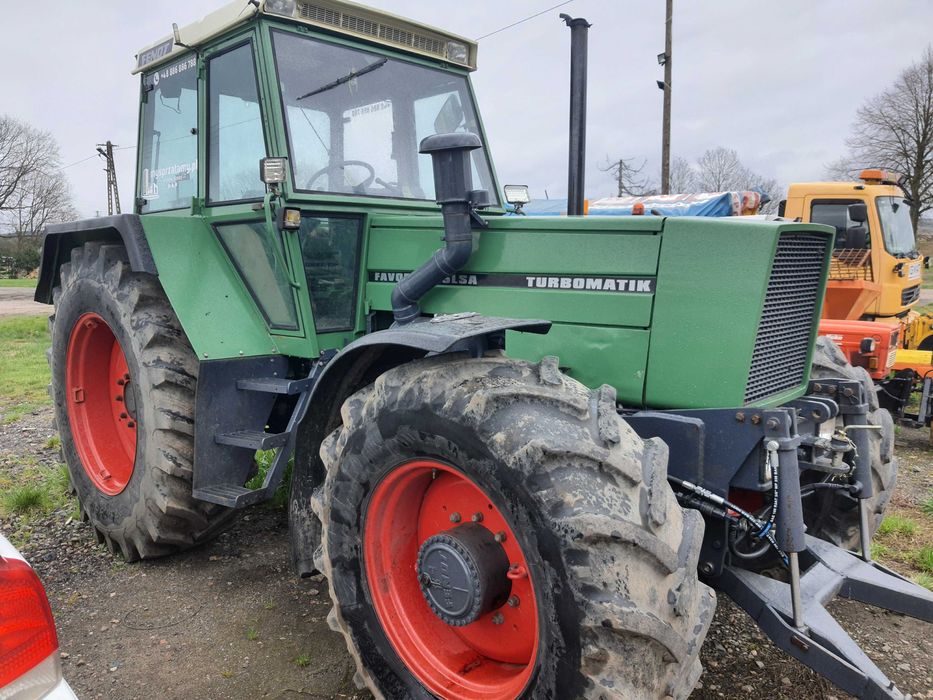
{"points": [[60, 239]]}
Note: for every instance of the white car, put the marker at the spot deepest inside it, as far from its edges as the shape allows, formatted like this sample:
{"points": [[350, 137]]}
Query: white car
{"points": [[30, 666]]}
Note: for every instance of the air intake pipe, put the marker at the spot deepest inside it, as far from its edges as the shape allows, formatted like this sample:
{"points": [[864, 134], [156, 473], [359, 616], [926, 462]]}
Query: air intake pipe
{"points": [[453, 187]]}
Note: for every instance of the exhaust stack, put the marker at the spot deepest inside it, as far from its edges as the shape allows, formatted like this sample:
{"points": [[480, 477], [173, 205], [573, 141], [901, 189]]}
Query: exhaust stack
{"points": [[579, 32]]}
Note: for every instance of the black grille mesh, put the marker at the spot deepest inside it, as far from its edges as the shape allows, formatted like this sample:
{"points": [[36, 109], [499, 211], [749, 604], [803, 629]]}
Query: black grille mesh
{"points": [[780, 357], [910, 295]]}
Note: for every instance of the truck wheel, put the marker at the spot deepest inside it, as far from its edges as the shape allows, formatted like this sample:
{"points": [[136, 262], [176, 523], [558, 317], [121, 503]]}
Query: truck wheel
{"points": [[828, 514], [123, 383], [493, 529]]}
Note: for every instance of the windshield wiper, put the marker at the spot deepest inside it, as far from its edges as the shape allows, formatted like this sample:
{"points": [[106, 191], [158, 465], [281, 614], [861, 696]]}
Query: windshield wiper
{"points": [[346, 79]]}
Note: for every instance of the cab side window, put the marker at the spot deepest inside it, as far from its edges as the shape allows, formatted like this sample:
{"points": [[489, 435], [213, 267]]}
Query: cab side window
{"points": [[835, 213], [168, 175], [236, 142]]}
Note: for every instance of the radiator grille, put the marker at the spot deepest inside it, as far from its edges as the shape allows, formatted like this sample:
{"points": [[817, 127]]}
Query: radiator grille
{"points": [[910, 295], [781, 347], [380, 30]]}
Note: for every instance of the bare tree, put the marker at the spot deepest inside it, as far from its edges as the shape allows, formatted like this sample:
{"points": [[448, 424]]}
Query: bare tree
{"points": [[894, 130], [33, 189], [683, 177], [629, 178], [720, 169]]}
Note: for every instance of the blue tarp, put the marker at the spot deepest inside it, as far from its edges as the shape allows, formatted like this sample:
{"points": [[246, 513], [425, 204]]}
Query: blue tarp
{"points": [[702, 204]]}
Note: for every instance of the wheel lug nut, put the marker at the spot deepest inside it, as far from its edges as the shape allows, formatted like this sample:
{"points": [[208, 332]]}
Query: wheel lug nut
{"points": [[500, 536], [120, 382], [119, 398], [131, 424], [477, 517], [498, 619], [455, 517], [514, 601], [122, 415]]}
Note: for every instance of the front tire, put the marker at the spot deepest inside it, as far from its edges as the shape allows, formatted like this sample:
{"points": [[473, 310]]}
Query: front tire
{"points": [[828, 514], [602, 558], [123, 384]]}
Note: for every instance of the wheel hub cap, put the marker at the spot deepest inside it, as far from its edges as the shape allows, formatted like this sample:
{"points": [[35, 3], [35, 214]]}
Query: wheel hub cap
{"points": [[463, 574]]}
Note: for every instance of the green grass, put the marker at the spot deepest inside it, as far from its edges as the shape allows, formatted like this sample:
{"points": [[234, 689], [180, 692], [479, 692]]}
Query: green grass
{"points": [[252, 634], [36, 490], [18, 283], [263, 462], [924, 580], [927, 506], [27, 499], [24, 371], [924, 560], [897, 525], [302, 660]]}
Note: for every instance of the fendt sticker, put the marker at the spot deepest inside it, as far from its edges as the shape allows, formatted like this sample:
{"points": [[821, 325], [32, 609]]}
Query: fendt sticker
{"points": [[628, 285]]}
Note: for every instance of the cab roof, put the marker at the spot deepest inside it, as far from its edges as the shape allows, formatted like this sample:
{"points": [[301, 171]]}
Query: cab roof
{"points": [[342, 16], [841, 189]]}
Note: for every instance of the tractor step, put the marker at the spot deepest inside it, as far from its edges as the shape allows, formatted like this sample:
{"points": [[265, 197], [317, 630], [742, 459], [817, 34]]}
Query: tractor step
{"points": [[822, 644], [253, 439], [230, 496], [275, 385]]}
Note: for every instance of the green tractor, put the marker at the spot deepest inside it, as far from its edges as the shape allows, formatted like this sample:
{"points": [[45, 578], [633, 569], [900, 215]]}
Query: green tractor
{"points": [[320, 263]]}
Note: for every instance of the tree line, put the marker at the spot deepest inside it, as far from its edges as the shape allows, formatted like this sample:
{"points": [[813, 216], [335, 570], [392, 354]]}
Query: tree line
{"points": [[34, 192]]}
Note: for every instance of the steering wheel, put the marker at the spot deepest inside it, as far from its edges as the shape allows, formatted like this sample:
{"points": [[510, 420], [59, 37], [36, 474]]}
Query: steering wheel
{"points": [[337, 168]]}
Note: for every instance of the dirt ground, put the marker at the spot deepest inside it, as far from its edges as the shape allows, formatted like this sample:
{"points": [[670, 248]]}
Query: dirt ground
{"points": [[230, 620], [17, 301]]}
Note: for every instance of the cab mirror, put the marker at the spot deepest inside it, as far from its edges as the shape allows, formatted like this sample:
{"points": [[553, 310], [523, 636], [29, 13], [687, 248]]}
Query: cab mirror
{"points": [[858, 212], [857, 237]]}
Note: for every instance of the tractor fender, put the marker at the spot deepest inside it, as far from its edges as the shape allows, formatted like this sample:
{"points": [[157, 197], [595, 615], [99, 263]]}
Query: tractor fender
{"points": [[60, 239], [358, 365], [464, 332]]}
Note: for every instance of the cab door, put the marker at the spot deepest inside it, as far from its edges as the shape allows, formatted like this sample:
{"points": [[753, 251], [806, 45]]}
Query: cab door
{"points": [[236, 200]]}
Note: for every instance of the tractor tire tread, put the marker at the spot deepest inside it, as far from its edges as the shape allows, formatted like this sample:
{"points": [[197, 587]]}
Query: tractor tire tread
{"points": [[630, 551]]}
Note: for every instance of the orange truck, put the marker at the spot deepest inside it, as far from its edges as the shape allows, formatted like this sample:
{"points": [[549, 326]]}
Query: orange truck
{"points": [[875, 280]]}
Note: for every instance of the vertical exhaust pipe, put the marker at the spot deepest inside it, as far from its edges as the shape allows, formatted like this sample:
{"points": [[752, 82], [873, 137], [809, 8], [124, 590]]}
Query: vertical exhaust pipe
{"points": [[579, 31]]}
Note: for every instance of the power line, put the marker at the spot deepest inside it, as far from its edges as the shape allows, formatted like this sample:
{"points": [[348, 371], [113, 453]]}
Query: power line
{"points": [[522, 21], [78, 162]]}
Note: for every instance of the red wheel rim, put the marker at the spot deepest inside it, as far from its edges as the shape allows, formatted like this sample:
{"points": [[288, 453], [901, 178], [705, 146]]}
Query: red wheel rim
{"points": [[101, 409], [492, 657]]}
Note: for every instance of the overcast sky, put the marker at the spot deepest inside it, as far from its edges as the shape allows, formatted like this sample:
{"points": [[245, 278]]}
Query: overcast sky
{"points": [[777, 81]]}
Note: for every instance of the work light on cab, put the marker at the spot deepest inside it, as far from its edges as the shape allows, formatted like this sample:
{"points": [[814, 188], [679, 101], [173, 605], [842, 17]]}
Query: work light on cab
{"points": [[272, 170], [285, 8]]}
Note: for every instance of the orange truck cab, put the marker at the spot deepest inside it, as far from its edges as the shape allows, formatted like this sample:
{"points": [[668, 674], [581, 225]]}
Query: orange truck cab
{"points": [[876, 272]]}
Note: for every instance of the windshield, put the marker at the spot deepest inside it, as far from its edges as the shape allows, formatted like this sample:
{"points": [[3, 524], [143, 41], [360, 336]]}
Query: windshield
{"points": [[896, 226], [355, 119]]}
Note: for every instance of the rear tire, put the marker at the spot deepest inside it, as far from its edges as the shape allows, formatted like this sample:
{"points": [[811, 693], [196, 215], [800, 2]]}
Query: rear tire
{"points": [[828, 514], [610, 555], [150, 512]]}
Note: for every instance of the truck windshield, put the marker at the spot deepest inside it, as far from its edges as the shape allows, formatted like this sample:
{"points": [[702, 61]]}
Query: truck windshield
{"points": [[355, 119], [896, 226]]}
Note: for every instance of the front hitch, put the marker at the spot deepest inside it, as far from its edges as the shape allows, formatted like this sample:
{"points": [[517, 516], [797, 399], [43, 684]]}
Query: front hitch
{"points": [[820, 642]]}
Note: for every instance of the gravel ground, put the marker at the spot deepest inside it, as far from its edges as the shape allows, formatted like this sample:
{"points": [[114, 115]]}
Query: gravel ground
{"points": [[17, 301], [230, 620]]}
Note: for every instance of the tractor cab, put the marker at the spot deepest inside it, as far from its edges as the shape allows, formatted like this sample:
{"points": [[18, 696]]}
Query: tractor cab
{"points": [[876, 269], [288, 125]]}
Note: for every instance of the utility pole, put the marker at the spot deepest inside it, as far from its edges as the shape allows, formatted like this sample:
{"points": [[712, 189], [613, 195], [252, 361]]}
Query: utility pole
{"points": [[113, 194], [665, 60]]}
